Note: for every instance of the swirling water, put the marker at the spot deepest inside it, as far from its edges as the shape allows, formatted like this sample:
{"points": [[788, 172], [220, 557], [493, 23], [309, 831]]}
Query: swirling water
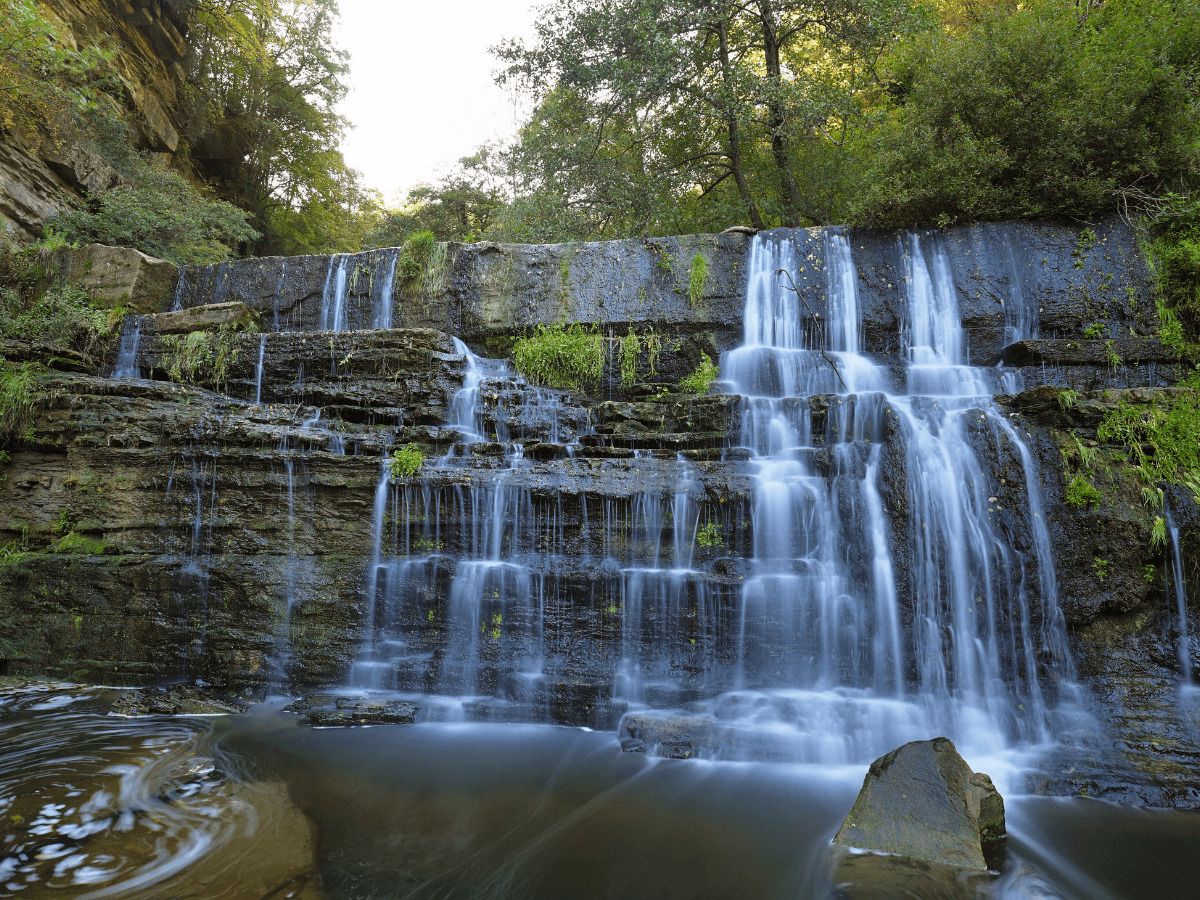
{"points": [[258, 805]]}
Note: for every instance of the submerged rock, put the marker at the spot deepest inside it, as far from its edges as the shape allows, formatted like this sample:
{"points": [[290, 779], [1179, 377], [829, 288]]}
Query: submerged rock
{"points": [[870, 876], [923, 802], [328, 711], [177, 700]]}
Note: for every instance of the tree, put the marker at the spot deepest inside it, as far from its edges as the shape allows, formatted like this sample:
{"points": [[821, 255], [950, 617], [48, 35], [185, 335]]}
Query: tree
{"points": [[268, 80], [462, 206], [700, 97], [1066, 109]]}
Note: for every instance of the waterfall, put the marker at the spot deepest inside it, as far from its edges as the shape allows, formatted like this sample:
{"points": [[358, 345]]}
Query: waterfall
{"points": [[826, 652], [177, 303], [127, 353], [333, 295], [975, 593], [468, 529], [258, 368], [383, 303], [1179, 585], [278, 295]]}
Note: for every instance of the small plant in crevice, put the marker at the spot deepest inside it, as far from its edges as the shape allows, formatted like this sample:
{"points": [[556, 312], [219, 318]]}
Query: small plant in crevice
{"points": [[201, 357], [570, 357], [1095, 330], [19, 399], [1085, 242], [1158, 533], [1068, 398], [1100, 567], [1159, 440], [709, 536], [564, 281], [1081, 493], [631, 349], [1110, 351], [697, 276], [702, 378], [406, 461]]}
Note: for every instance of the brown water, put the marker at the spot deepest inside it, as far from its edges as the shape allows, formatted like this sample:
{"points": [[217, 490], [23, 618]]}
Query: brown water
{"points": [[260, 806]]}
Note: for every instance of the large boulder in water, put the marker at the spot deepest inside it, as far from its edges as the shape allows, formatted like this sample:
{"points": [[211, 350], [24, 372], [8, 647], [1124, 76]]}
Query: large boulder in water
{"points": [[923, 802]]}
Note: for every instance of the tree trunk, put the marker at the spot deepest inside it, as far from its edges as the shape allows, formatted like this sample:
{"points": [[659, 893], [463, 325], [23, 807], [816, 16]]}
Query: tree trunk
{"points": [[778, 119], [734, 151]]}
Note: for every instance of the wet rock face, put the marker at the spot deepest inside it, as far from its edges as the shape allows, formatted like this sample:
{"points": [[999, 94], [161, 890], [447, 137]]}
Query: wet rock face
{"points": [[329, 711], [1014, 281], [177, 700], [923, 802], [223, 529], [1116, 592]]}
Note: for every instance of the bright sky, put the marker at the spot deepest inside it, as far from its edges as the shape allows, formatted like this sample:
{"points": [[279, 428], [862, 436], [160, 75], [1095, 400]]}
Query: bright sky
{"points": [[421, 89]]}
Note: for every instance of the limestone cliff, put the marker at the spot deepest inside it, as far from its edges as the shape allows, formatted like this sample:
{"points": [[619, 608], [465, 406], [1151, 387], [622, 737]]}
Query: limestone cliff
{"points": [[236, 528], [38, 177]]}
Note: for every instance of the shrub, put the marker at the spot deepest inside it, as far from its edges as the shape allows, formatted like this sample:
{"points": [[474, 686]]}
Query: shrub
{"points": [[709, 535], [561, 356], [1032, 110], [421, 267], [63, 316], [631, 349], [406, 461], [200, 357], [160, 213], [701, 380], [1068, 398], [19, 397], [1161, 440], [1174, 257]]}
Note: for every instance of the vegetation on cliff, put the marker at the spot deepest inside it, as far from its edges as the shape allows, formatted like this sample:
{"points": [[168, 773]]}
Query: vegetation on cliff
{"points": [[561, 356], [37, 306], [258, 168]]}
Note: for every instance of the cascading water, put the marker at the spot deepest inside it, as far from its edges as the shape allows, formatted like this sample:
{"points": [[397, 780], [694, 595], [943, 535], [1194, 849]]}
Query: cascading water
{"points": [[180, 287], [492, 606], [276, 320], [127, 353], [258, 368], [333, 295], [833, 665], [383, 303], [1187, 678]]}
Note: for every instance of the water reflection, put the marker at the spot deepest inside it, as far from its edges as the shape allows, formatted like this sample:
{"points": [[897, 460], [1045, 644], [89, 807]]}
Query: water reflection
{"points": [[258, 805]]}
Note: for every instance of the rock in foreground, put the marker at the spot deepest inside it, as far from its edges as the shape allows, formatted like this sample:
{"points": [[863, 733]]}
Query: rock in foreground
{"points": [[923, 802]]}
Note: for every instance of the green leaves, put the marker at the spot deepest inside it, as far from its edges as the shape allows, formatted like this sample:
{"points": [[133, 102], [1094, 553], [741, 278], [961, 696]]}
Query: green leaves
{"points": [[162, 214], [406, 461], [561, 356], [701, 380]]}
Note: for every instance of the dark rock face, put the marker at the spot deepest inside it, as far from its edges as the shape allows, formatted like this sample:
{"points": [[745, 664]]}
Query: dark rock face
{"points": [[486, 293], [923, 802], [118, 276]]}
